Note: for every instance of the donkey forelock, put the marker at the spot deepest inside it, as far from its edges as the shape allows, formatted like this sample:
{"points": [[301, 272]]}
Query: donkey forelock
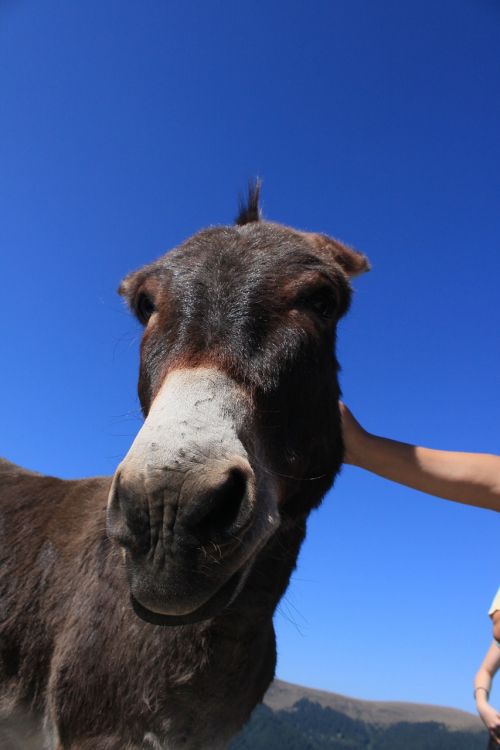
{"points": [[249, 208]]}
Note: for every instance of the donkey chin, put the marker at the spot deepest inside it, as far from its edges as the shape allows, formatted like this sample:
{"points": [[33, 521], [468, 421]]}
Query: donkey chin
{"points": [[186, 505]]}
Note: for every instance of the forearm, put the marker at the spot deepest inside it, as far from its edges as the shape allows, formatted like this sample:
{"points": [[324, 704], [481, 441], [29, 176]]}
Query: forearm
{"points": [[472, 478], [482, 688]]}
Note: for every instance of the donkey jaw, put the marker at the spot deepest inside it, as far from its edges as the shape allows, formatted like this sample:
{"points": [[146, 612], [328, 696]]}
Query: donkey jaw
{"points": [[161, 608], [217, 603]]}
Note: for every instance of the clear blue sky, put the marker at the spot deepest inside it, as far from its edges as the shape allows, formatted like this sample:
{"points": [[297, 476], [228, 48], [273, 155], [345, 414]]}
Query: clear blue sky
{"points": [[126, 126]]}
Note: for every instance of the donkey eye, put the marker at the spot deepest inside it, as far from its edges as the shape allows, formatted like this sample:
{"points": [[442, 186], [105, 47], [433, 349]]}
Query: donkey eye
{"points": [[322, 302], [144, 307]]}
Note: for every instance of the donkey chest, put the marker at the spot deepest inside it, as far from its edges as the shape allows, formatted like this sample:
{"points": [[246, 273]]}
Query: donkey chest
{"points": [[196, 724], [193, 740], [174, 693], [205, 714]]}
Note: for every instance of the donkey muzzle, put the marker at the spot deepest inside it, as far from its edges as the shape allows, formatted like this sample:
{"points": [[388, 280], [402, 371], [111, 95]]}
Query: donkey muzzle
{"points": [[185, 502]]}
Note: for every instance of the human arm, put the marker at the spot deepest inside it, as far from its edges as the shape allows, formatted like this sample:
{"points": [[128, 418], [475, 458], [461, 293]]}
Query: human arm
{"points": [[482, 687], [471, 478]]}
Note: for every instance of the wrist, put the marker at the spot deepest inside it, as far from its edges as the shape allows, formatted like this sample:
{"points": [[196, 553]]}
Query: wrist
{"points": [[357, 448], [482, 703], [481, 695]]}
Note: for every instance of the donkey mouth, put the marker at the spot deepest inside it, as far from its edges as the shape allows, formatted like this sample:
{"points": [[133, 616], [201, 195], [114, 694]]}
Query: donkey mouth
{"points": [[221, 599]]}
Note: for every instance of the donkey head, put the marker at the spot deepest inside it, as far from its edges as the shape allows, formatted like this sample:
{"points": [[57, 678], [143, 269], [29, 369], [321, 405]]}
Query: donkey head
{"points": [[238, 385]]}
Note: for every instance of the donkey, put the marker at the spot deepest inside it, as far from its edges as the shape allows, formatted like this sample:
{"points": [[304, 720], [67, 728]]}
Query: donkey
{"points": [[136, 611]]}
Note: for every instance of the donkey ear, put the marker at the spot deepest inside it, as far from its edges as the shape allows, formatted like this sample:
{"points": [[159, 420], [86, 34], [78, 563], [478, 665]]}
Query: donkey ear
{"points": [[129, 286], [139, 290], [351, 261]]}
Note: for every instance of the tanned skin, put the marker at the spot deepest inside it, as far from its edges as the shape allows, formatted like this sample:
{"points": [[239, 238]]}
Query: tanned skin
{"points": [[469, 478]]}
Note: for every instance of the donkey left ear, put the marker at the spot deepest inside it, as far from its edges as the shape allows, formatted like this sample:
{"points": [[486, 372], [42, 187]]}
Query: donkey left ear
{"points": [[351, 261]]}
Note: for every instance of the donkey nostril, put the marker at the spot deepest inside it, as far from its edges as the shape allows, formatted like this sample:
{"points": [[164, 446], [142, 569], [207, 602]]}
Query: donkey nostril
{"points": [[223, 508]]}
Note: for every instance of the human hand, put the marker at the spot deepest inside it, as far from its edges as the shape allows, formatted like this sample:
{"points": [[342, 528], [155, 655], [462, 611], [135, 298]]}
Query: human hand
{"points": [[354, 436], [491, 720]]}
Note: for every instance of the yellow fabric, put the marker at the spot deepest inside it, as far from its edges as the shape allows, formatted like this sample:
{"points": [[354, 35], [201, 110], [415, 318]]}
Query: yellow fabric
{"points": [[495, 603]]}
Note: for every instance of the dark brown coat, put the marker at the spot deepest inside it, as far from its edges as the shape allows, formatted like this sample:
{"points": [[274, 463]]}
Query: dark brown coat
{"points": [[259, 304]]}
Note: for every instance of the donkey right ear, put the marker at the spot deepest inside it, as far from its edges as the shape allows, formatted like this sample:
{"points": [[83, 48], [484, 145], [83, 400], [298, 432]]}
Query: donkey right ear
{"points": [[139, 294]]}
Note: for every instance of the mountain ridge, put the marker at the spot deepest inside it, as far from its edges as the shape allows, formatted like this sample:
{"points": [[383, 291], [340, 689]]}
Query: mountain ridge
{"points": [[300, 718], [283, 695]]}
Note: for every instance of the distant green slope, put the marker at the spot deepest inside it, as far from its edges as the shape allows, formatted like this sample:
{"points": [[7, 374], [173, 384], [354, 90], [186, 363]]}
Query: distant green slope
{"points": [[310, 726]]}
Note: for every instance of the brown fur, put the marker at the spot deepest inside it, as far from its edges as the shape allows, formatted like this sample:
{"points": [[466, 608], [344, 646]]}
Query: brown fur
{"points": [[72, 652]]}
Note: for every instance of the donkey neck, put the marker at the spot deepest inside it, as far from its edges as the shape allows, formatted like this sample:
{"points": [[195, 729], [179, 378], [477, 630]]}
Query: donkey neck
{"points": [[253, 609]]}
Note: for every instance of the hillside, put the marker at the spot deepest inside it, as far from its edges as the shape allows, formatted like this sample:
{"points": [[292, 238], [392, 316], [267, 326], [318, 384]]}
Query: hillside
{"points": [[282, 695], [299, 718]]}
